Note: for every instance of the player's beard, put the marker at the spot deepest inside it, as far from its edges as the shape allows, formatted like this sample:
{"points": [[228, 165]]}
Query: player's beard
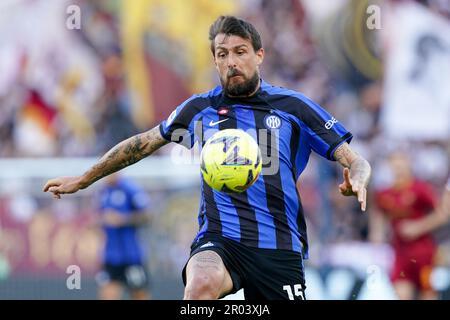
{"points": [[240, 89]]}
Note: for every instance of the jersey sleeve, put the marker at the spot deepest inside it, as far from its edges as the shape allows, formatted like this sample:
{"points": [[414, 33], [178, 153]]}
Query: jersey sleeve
{"points": [[137, 196], [179, 127], [140, 201], [427, 197], [325, 132]]}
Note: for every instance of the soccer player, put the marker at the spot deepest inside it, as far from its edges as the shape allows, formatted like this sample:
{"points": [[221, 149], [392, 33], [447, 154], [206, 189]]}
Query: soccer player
{"points": [[409, 207], [414, 229], [256, 239], [123, 209]]}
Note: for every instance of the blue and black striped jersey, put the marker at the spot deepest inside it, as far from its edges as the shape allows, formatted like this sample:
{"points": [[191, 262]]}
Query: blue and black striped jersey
{"points": [[287, 126]]}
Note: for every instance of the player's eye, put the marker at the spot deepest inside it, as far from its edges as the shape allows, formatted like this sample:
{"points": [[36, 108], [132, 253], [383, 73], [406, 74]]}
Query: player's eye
{"points": [[221, 55]]}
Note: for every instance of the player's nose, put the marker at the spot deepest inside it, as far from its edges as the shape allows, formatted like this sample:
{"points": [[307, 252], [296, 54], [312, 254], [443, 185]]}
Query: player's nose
{"points": [[231, 61]]}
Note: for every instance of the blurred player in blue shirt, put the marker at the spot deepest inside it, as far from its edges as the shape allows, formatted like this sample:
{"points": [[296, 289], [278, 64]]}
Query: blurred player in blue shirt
{"points": [[123, 209]]}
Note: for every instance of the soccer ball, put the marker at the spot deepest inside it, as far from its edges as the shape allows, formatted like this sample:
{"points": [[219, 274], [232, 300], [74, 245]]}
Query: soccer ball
{"points": [[230, 161]]}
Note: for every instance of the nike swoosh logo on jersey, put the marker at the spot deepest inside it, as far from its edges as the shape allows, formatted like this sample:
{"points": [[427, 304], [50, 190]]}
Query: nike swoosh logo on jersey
{"points": [[212, 123]]}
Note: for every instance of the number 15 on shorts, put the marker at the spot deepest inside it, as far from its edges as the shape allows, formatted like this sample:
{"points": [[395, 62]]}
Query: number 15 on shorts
{"points": [[297, 292]]}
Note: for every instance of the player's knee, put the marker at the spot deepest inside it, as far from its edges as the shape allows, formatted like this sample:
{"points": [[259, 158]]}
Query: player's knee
{"points": [[203, 286], [110, 291]]}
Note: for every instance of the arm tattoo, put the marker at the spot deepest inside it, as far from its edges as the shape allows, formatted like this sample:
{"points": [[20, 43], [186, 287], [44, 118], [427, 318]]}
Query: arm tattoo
{"points": [[124, 154], [359, 167], [344, 155]]}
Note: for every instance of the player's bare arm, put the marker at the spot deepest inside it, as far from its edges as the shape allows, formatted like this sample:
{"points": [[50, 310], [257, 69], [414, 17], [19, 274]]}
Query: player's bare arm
{"points": [[446, 202], [120, 156], [412, 229], [357, 173]]}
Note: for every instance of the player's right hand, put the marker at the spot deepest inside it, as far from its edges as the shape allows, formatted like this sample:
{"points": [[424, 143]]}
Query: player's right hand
{"points": [[62, 185]]}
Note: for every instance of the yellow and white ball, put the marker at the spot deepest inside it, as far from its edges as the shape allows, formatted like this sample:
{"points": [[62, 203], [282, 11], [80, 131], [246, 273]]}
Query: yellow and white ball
{"points": [[230, 161]]}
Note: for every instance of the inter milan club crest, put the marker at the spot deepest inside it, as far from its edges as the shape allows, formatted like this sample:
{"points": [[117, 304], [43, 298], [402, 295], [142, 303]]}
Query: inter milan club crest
{"points": [[272, 121]]}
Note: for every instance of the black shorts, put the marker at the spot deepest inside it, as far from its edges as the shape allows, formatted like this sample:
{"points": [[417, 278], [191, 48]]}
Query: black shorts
{"points": [[264, 274], [134, 276]]}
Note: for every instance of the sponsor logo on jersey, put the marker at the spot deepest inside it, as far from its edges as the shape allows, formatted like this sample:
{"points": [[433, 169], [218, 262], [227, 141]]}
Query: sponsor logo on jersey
{"points": [[330, 123]]}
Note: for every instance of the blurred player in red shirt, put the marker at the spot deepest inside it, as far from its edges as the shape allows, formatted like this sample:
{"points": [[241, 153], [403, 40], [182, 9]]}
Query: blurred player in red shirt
{"points": [[409, 205]]}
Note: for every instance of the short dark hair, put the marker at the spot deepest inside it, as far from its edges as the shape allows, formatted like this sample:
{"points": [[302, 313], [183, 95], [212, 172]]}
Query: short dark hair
{"points": [[231, 25]]}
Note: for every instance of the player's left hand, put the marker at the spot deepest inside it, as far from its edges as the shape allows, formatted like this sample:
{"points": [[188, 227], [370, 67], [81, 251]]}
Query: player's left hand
{"points": [[354, 186]]}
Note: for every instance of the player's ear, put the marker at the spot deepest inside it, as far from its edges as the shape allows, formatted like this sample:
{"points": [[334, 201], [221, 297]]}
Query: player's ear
{"points": [[259, 56]]}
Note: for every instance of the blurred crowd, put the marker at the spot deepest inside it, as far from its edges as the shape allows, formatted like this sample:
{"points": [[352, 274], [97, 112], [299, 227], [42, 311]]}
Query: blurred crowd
{"points": [[384, 74]]}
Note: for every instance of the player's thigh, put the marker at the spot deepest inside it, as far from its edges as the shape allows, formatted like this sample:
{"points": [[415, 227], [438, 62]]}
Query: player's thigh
{"points": [[206, 269]]}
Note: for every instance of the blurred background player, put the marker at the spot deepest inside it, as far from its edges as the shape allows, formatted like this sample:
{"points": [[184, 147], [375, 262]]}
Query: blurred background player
{"points": [[123, 209], [408, 205], [414, 229]]}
